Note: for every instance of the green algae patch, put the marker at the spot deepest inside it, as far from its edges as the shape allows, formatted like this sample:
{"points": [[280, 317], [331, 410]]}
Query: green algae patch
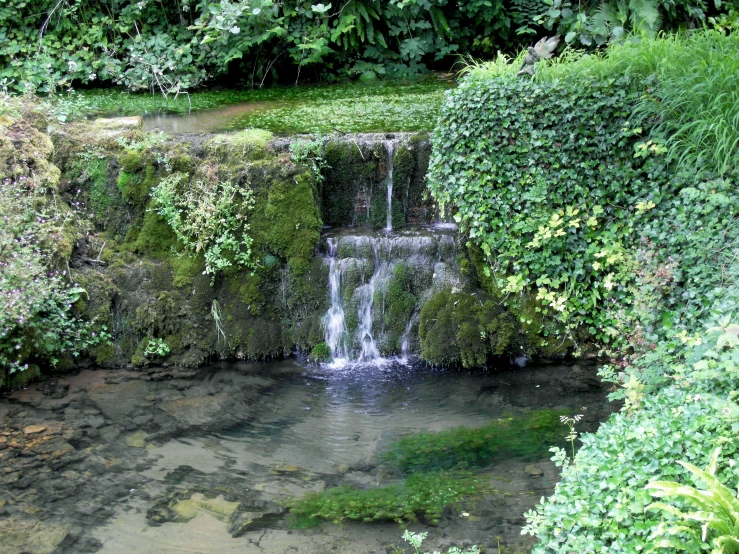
{"points": [[422, 495], [527, 436]]}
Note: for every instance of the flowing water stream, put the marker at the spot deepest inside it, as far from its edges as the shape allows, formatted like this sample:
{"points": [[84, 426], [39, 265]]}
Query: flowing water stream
{"points": [[169, 460]]}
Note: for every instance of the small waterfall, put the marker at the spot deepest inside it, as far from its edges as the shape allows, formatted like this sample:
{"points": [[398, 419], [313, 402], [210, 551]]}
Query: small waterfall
{"points": [[361, 324], [333, 321], [390, 147], [405, 345]]}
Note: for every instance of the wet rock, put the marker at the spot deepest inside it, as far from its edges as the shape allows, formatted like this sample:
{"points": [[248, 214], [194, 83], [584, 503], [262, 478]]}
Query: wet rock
{"points": [[244, 522], [137, 439], [218, 507], [26, 536], [283, 468], [33, 429], [142, 419], [196, 411], [118, 401]]}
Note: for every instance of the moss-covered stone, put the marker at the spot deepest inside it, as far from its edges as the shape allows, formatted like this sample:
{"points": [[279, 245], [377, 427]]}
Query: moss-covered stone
{"points": [[20, 379], [458, 328], [351, 171], [246, 145], [320, 353], [155, 237], [399, 306]]}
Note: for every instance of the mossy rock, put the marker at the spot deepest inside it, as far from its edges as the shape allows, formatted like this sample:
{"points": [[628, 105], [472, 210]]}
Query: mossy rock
{"points": [[155, 237], [20, 379], [249, 144], [320, 353], [349, 170], [463, 329], [26, 152]]}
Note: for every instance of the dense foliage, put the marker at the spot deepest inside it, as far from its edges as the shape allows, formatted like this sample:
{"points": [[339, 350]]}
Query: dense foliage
{"points": [[172, 47], [37, 323], [600, 190], [580, 207]]}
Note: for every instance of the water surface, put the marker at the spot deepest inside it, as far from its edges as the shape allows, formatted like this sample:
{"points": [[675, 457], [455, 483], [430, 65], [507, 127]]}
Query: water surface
{"points": [[142, 446]]}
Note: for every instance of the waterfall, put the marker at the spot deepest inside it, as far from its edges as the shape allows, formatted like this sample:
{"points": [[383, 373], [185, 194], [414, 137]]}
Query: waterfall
{"points": [[390, 147], [361, 324], [333, 321], [405, 345]]}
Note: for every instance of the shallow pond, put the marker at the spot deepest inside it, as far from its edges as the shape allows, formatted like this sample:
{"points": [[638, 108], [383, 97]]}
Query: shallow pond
{"points": [[391, 106], [173, 460]]}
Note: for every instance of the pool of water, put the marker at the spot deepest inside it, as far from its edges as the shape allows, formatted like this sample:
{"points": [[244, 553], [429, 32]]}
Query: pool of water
{"points": [[384, 106], [173, 460]]}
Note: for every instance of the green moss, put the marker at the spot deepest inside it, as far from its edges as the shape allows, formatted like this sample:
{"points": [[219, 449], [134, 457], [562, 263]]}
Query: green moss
{"points": [[528, 436], [465, 329], [399, 306], [100, 198], [137, 177], [349, 171], [20, 379], [185, 268], [155, 236], [249, 144], [422, 495], [95, 305], [285, 221], [104, 354], [131, 161], [182, 163], [320, 353], [293, 220]]}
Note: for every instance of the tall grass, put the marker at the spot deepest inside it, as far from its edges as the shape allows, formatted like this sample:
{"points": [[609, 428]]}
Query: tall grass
{"points": [[691, 85]]}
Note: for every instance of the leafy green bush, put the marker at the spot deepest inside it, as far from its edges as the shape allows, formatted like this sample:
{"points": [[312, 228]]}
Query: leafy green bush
{"points": [[170, 47], [528, 436], [599, 505], [422, 494], [208, 217], [36, 320], [618, 251], [717, 511], [544, 180]]}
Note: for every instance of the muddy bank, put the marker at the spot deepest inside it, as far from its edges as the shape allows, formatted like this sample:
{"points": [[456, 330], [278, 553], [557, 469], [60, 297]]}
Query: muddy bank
{"points": [[173, 460]]}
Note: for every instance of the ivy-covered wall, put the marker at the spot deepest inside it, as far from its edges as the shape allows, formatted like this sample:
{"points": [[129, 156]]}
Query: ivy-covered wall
{"points": [[555, 183]]}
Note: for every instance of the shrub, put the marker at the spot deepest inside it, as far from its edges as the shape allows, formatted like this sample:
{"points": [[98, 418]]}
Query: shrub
{"points": [[208, 217], [36, 320]]}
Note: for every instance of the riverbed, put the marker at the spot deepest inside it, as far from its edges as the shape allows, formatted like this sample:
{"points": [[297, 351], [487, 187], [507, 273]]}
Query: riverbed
{"points": [[179, 460]]}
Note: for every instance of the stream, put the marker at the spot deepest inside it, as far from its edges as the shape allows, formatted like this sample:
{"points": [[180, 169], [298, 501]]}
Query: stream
{"points": [[171, 460]]}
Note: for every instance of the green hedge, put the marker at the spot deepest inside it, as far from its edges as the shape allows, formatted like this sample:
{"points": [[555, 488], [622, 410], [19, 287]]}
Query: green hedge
{"points": [[575, 205]]}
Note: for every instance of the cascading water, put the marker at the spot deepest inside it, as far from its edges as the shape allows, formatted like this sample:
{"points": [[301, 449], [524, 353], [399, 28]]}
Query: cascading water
{"points": [[390, 147], [365, 279], [333, 321]]}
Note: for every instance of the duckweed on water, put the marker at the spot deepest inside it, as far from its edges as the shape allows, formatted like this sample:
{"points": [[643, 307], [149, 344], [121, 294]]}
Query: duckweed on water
{"points": [[422, 495], [350, 107], [529, 437]]}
